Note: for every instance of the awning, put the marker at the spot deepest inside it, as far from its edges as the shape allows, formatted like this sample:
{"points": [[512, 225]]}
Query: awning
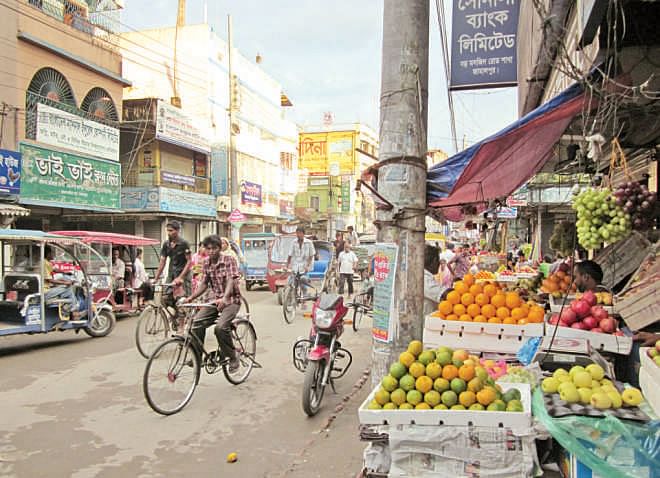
{"points": [[501, 163], [8, 209]]}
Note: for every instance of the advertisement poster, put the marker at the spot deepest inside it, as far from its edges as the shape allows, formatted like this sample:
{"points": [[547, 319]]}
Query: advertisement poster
{"points": [[320, 152], [174, 178], [384, 315], [251, 193], [219, 170], [66, 130], [483, 44], [10, 171], [345, 194], [173, 126], [68, 180]]}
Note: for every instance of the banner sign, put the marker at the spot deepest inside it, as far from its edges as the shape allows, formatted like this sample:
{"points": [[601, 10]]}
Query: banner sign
{"points": [[10, 172], [345, 194], [219, 170], [173, 126], [250, 193], [506, 212], [236, 216], [174, 178], [68, 180], [483, 44], [326, 153], [384, 314], [65, 130], [168, 200], [518, 198]]}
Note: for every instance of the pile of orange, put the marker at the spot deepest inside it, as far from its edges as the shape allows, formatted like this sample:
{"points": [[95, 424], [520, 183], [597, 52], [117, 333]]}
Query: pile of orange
{"points": [[471, 302], [487, 275], [559, 282]]}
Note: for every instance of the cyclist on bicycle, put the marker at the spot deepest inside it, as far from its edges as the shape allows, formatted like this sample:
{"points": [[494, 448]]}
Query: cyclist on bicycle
{"points": [[178, 251], [220, 273], [301, 257]]}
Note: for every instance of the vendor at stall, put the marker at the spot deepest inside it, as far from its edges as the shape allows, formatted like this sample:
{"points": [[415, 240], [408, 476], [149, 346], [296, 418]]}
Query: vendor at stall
{"points": [[588, 276], [433, 291]]}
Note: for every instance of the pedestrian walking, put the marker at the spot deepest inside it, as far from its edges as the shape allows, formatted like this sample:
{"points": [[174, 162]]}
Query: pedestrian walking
{"points": [[352, 237], [347, 264]]}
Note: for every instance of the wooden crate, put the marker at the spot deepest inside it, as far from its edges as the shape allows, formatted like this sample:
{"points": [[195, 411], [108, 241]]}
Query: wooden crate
{"points": [[622, 258], [642, 308]]}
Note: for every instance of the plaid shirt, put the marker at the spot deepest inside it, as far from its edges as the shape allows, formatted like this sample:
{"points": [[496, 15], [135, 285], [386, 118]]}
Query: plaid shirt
{"points": [[216, 276]]}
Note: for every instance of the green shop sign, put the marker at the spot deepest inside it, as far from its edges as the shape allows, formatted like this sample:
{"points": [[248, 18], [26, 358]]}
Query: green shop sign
{"points": [[61, 179]]}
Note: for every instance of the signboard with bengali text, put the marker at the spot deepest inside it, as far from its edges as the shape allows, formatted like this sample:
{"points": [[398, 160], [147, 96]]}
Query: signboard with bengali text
{"points": [[327, 153], [483, 44], [174, 126], [384, 315], [10, 172], [251, 193]]}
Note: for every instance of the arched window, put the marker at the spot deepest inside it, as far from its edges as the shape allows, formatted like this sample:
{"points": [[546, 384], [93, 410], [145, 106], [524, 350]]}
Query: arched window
{"points": [[98, 102], [47, 85]]}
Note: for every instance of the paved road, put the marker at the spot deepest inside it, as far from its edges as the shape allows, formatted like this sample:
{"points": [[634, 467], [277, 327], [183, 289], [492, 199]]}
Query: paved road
{"points": [[71, 406]]}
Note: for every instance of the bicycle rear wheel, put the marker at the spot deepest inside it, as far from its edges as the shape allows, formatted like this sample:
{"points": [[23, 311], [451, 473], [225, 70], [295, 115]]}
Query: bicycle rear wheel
{"points": [[289, 304], [151, 330], [171, 376], [358, 312], [244, 339]]}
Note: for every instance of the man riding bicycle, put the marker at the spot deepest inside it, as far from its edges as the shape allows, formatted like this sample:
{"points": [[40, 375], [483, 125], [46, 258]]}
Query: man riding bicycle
{"points": [[301, 257], [220, 273], [177, 249]]}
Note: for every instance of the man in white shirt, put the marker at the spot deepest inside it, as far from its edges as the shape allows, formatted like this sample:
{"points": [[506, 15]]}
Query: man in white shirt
{"points": [[118, 270], [347, 263], [301, 256], [352, 237]]}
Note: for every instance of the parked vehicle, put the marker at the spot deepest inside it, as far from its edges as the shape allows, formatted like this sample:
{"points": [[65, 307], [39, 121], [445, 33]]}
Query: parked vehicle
{"points": [[321, 357], [256, 247], [24, 308], [124, 300]]}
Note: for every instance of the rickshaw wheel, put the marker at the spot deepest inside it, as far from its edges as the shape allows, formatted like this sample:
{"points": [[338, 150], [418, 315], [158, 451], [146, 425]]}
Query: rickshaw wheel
{"points": [[101, 324], [248, 285]]}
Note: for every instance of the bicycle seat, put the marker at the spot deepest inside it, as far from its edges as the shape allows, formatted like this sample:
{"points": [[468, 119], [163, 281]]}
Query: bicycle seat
{"points": [[329, 301]]}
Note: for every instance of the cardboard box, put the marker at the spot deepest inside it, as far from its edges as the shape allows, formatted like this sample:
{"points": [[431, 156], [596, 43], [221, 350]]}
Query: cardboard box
{"points": [[618, 344]]}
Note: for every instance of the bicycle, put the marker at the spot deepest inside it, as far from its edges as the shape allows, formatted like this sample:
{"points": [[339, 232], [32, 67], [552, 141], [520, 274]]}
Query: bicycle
{"points": [[158, 321], [293, 296], [172, 372], [362, 304]]}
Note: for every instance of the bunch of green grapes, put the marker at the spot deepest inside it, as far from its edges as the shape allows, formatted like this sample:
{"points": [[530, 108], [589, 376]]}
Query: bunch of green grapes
{"points": [[599, 218]]}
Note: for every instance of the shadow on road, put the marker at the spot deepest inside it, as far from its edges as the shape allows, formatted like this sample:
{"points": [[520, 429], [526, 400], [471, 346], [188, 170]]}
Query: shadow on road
{"points": [[15, 349]]}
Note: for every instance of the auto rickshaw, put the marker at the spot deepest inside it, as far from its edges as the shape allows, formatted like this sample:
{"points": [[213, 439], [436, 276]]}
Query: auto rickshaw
{"points": [[125, 299], [26, 307], [255, 251]]}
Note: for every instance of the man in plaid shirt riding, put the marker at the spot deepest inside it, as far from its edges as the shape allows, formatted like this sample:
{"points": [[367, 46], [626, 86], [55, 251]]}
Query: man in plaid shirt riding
{"points": [[220, 274]]}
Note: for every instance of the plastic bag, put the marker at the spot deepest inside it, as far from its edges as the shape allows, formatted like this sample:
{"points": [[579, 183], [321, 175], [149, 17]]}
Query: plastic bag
{"points": [[600, 443]]}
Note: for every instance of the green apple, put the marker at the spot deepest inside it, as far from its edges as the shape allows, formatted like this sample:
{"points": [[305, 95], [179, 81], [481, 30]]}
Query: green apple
{"points": [[575, 369], [601, 401], [566, 386], [582, 379], [585, 395], [596, 371], [632, 396], [571, 395], [550, 384], [558, 372], [617, 401]]}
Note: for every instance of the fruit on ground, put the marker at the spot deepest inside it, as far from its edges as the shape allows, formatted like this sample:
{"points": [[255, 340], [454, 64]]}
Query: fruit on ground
{"points": [[596, 371], [601, 401], [389, 383], [550, 384], [432, 397], [449, 398], [398, 396], [414, 397], [632, 396]]}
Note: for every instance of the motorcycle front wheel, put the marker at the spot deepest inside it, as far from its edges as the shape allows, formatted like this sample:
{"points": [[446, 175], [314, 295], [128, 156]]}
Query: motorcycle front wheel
{"points": [[313, 387]]}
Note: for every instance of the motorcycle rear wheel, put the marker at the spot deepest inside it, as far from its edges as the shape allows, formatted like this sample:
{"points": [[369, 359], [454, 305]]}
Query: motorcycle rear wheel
{"points": [[313, 388]]}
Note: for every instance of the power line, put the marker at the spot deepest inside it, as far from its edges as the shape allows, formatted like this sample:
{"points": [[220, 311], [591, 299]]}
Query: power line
{"points": [[440, 10]]}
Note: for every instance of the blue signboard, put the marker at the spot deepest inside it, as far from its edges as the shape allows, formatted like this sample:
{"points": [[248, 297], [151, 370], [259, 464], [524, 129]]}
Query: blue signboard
{"points": [[219, 170], [10, 172], [483, 44], [168, 200]]}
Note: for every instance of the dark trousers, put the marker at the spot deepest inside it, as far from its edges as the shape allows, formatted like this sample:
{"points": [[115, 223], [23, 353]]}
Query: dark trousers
{"points": [[346, 278], [222, 318]]}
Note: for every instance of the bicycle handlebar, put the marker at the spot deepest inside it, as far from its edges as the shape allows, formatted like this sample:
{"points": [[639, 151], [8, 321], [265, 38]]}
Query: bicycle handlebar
{"points": [[197, 304]]}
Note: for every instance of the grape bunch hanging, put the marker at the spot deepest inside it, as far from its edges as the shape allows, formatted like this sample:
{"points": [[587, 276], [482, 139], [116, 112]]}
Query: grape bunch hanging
{"points": [[599, 218], [639, 202]]}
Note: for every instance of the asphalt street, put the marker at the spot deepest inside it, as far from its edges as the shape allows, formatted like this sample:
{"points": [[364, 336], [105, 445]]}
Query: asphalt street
{"points": [[73, 406]]}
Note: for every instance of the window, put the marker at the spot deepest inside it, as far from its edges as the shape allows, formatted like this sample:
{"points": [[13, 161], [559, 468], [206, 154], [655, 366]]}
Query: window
{"points": [[315, 203]]}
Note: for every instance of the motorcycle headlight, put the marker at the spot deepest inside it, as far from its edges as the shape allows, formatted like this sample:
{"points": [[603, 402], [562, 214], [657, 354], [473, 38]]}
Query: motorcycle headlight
{"points": [[323, 318]]}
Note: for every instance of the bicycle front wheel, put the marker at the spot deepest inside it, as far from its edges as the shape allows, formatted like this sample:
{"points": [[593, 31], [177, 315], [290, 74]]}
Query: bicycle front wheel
{"points": [[289, 304], [171, 376], [152, 329], [244, 339], [358, 312]]}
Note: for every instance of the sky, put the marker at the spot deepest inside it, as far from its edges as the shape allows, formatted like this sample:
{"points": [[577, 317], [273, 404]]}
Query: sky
{"points": [[327, 57]]}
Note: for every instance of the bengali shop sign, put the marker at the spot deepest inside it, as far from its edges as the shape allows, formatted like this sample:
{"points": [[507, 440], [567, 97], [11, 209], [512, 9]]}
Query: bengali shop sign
{"points": [[251, 193], [173, 126], [65, 130], [326, 153], [10, 171], [483, 44], [68, 180], [384, 314]]}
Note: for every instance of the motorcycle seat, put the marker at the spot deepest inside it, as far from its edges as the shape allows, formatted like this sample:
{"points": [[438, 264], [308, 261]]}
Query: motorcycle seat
{"points": [[329, 301]]}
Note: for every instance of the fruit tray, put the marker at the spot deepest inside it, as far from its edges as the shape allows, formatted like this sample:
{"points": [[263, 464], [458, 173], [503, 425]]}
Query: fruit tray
{"points": [[618, 344], [560, 408], [556, 304], [517, 420], [649, 380]]}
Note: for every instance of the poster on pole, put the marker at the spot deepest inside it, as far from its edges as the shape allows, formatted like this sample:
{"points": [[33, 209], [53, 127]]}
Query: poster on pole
{"points": [[384, 314], [483, 44]]}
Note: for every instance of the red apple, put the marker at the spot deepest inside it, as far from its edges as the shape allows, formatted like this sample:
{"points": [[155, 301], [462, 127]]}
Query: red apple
{"points": [[608, 325], [554, 320], [590, 322], [578, 325], [599, 313], [581, 308], [563, 324], [590, 298], [568, 316], [597, 330]]}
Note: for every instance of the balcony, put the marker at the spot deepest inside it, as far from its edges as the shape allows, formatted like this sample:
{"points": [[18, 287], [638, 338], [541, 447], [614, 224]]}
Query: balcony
{"points": [[136, 177]]}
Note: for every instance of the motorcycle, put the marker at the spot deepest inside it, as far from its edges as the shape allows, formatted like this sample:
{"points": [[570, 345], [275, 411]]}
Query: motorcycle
{"points": [[321, 357]]}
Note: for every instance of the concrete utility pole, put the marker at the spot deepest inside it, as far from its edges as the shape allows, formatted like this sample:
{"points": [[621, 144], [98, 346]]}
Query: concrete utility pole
{"points": [[233, 166], [402, 161]]}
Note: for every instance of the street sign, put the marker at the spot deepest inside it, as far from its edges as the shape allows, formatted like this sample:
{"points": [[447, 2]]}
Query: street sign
{"points": [[236, 216]]}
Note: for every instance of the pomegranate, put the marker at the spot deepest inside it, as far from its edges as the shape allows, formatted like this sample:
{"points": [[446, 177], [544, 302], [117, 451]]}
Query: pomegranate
{"points": [[569, 316], [590, 298], [599, 313], [597, 330], [590, 322], [578, 325], [608, 325], [581, 308]]}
